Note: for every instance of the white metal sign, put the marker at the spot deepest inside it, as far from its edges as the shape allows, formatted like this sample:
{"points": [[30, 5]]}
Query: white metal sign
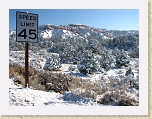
{"points": [[26, 27]]}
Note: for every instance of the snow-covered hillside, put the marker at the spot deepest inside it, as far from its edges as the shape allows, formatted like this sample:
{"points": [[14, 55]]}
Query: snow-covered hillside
{"points": [[76, 31], [86, 65]]}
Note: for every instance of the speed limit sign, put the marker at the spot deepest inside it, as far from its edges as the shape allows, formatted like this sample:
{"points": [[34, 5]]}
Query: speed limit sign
{"points": [[26, 27]]}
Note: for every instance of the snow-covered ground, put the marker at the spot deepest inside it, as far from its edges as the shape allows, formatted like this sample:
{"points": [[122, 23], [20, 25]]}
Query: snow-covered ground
{"points": [[19, 96]]}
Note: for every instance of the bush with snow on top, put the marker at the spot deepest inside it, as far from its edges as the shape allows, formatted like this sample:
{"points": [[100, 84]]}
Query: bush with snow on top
{"points": [[88, 63], [52, 63], [122, 59], [117, 99]]}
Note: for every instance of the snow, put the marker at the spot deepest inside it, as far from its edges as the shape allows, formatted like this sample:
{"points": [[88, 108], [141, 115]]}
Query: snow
{"points": [[46, 34], [38, 60], [48, 31], [78, 31], [20, 96]]}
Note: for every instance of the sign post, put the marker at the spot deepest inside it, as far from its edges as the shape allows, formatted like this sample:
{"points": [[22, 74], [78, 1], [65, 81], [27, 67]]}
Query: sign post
{"points": [[26, 31], [26, 66]]}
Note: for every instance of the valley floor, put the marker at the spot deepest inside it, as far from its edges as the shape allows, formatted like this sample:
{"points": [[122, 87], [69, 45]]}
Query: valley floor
{"points": [[19, 96]]}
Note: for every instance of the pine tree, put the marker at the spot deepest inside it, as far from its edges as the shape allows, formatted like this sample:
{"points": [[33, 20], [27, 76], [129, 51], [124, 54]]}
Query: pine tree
{"points": [[52, 63]]}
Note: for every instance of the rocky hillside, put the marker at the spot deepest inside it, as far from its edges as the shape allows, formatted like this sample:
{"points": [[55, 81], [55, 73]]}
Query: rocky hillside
{"points": [[76, 31], [77, 35]]}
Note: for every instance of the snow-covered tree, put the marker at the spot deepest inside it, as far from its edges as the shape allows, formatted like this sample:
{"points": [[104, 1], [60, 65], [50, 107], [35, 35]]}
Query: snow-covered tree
{"points": [[68, 53], [122, 59], [129, 73], [65, 50], [88, 62], [52, 63], [134, 52], [93, 45], [106, 58]]}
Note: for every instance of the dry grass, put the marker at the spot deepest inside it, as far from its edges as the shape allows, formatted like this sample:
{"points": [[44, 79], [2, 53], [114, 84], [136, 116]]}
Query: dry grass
{"points": [[117, 99], [42, 80], [116, 93], [57, 82]]}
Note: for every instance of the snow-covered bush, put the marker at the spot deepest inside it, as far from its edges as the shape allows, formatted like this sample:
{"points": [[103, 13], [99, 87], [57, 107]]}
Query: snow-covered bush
{"points": [[93, 45], [68, 53], [85, 88], [129, 73], [15, 46], [118, 91], [65, 50], [118, 99], [88, 62], [52, 63], [122, 59], [91, 60], [56, 47], [116, 52], [106, 58], [35, 63], [57, 82], [134, 52]]}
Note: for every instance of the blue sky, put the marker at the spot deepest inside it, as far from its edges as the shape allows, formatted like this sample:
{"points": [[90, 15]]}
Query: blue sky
{"points": [[111, 19]]}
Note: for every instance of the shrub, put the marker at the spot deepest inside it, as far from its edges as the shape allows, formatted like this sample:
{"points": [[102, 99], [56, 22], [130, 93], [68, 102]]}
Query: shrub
{"points": [[88, 63], [122, 59], [129, 73], [111, 90], [65, 50], [52, 63], [106, 58], [85, 88], [116, 91], [116, 98], [41, 80]]}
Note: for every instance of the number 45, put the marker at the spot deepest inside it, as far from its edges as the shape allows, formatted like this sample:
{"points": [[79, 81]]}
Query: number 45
{"points": [[31, 32]]}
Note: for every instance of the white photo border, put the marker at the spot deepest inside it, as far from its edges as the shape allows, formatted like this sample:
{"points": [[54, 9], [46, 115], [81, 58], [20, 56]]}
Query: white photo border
{"points": [[142, 109]]}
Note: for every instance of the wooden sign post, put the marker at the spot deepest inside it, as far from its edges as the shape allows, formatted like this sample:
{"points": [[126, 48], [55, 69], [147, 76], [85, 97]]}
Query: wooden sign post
{"points": [[26, 31], [26, 66]]}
